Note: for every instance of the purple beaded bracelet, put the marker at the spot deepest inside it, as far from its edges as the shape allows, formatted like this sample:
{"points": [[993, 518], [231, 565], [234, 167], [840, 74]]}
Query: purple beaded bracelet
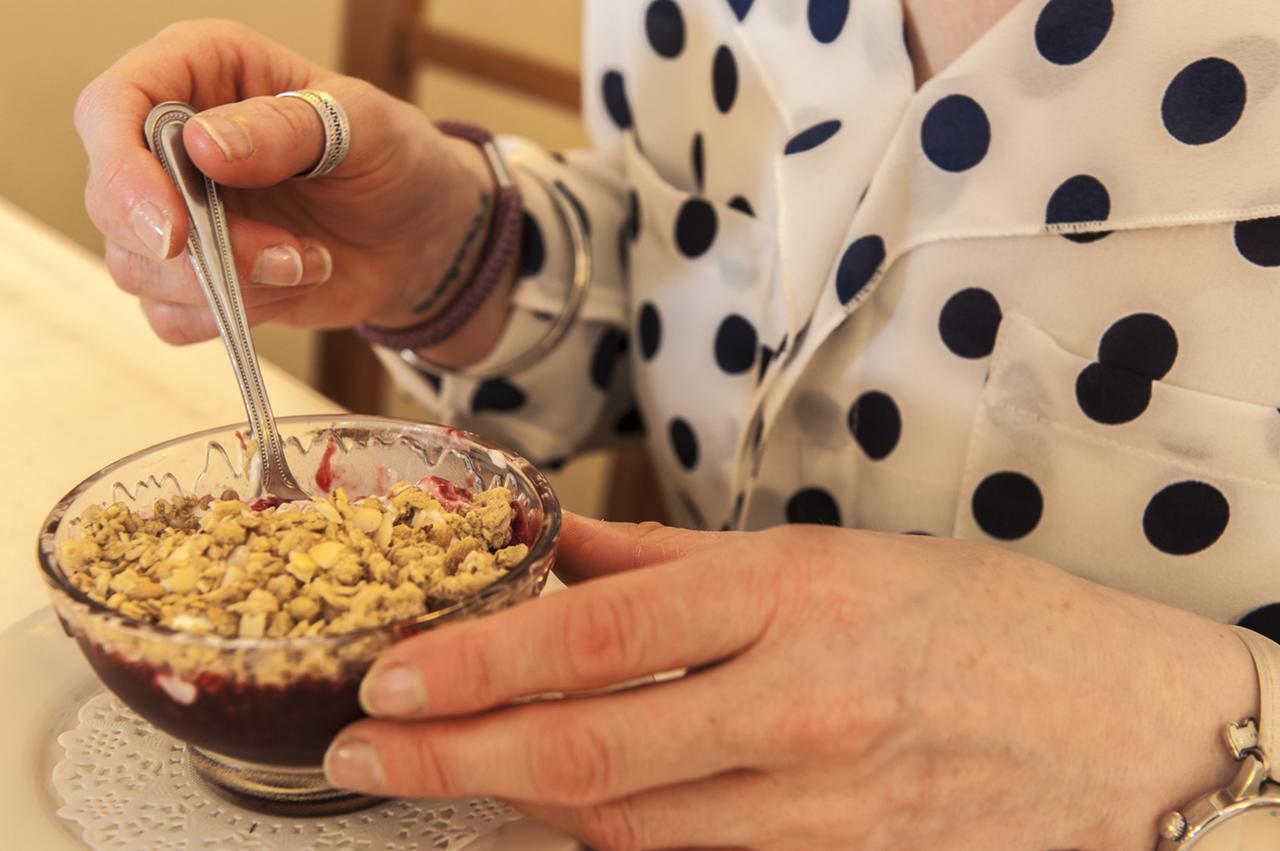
{"points": [[495, 257]]}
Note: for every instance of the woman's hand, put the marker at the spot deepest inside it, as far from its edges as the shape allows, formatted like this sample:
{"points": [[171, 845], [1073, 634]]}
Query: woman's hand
{"points": [[363, 243], [847, 690]]}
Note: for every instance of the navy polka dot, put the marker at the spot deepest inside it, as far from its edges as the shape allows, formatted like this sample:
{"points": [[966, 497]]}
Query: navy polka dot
{"points": [[633, 215], [724, 78], [757, 433], [1186, 518], [695, 227], [857, 267], [1134, 352], [533, 252], [812, 137], [691, 508], [1204, 101], [1007, 505], [1264, 621], [1069, 31], [431, 378], [876, 424], [801, 336], [577, 205], [820, 418], [742, 205], [650, 330], [614, 90], [684, 443], [740, 8], [766, 357], [1079, 199], [826, 19], [624, 248], [735, 346], [813, 505], [664, 26], [969, 323], [498, 395], [1143, 343], [697, 162], [955, 134], [1258, 241], [630, 423], [1112, 396], [612, 344]]}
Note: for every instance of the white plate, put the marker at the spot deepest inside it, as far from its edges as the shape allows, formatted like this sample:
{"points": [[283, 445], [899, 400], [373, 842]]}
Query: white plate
{"points": [[44, 682]]}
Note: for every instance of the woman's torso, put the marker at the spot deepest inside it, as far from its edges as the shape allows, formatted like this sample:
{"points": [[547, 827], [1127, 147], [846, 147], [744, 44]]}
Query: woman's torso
{"points": [[856, 302]]}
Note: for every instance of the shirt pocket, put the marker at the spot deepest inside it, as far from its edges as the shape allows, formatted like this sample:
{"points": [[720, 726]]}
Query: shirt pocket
{"points": [[1179, 504]]}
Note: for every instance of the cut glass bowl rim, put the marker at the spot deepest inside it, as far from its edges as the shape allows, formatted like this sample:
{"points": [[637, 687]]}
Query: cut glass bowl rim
{"points": [[542, 547]]}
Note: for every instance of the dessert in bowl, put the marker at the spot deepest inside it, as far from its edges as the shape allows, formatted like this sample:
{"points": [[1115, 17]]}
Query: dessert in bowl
{"points": [[243, 626]]}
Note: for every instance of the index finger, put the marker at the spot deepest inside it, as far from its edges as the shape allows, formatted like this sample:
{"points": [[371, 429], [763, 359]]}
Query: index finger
{"points": [[204, 63], [681, 614], [128, 195]]}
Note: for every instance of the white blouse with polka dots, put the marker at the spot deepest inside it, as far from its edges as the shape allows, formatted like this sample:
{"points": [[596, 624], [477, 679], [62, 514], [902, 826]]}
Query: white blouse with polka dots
{"points": [[1034, 302]]}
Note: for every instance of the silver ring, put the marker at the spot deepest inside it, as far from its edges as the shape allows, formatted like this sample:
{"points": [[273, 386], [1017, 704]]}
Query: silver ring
{"points": [[337, 130]]}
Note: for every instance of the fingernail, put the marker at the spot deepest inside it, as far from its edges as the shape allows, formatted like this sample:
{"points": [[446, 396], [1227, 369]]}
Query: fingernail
{"points": [[278, 265], [230, 134], [352, 763], [152, 227], [317, 264], [395, 691]]}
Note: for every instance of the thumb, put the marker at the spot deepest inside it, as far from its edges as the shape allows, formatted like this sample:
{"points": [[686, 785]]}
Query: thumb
{"points": [[590, 549], [263, 141]]}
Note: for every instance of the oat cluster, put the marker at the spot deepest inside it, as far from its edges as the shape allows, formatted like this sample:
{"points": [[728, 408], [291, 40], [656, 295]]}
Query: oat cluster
{"points": [[220, 567]]}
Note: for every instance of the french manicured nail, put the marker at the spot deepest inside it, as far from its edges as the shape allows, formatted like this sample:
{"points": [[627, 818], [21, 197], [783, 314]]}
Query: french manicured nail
{"points": [[395, 691], [352, 763], [317, 264], [278, 266], [152, 228], [229, 134]]}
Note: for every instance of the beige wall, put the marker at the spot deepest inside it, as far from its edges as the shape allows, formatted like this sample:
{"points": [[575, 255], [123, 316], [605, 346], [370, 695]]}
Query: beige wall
{"points": [[49, 49]]}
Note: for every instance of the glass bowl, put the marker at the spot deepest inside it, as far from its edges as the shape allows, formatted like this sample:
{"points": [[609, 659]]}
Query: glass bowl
{"points": [[257, 713]]}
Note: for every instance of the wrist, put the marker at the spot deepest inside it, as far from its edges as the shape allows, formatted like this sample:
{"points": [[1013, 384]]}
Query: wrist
{"points": [[453, 238], [1188, 678]]}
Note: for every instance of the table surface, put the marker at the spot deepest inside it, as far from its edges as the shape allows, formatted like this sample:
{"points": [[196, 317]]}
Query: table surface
{"points": [[83, 381]]}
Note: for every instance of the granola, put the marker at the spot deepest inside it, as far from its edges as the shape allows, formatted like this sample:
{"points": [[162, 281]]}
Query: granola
{"points": [[221, 566]]}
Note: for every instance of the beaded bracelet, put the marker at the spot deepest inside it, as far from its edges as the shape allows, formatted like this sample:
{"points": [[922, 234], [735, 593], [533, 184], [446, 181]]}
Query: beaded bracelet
{"points": [[495, 258], [580, 243]]}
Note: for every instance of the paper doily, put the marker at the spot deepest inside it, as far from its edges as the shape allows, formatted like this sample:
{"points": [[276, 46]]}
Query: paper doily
{"points": [[127, 785]]}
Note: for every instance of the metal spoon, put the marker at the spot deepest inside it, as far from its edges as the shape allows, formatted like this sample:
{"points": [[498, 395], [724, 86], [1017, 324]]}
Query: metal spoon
{"points": [[209, 248]]}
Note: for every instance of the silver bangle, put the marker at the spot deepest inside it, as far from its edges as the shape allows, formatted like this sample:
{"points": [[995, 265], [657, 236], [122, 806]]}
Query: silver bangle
{"points": [[559, 328], [337, 130]]}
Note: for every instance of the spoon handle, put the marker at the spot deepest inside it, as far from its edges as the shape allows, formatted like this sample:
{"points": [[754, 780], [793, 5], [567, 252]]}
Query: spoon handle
{"points": [[209, 249]]}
